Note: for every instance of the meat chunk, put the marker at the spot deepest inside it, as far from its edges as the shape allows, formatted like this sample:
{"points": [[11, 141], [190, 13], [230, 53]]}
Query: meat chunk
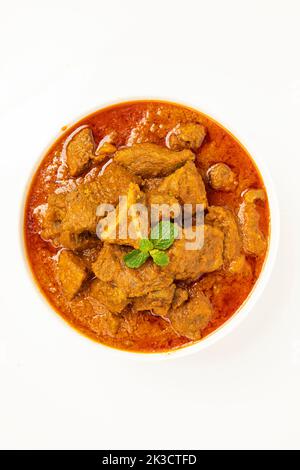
{"points": [[71, 217], [254, 195], [180, 296], [148, 287], [134, 224], [110, 267], [150, 160], [186, 136], [188, 265], [78, 241], [221, 177], [158, 302], [54, 216], [186, 185], [151, 184], [191, 317], [79, 151], [254, 241], [89, 255], [167, 206], [156, 197], [224, 219], [107, 324], [112, 297], [81, 208], [114, 182], [98, 317], [103, 151], [71, 273]]}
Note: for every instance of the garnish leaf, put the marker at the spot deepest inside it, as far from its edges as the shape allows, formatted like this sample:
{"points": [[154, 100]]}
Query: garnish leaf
{"points": [[146, 245], [159, 257], [164, 234], [135, 258], [162, 237]]}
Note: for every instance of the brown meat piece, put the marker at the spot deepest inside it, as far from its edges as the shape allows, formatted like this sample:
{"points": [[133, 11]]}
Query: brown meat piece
{"points": [[221, 177], [189, 265], [70, 220], [103, 151], [107, 324], [224, 219], [89, 255], [156, 197], [110, 267], [81, 208], [82, 203], [112, 297], [147, 287], [54, 216], [253, 195], [186, 136], [181, 295], [186, 185], [192, 316], [79, 151], [110, 227], [73, 213], [167, 206], [150, 160], [72, 273], [97, 316], [254, 241], [158, 302], [151, 184], [78, 241], [115, 182]]}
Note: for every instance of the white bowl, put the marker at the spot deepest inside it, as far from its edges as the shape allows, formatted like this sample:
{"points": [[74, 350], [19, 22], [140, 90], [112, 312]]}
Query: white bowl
{"points": [[252, 298]]}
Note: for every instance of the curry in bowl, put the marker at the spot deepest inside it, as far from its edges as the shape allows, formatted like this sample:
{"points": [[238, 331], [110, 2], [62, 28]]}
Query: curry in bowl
{"points": [[146, 289]]}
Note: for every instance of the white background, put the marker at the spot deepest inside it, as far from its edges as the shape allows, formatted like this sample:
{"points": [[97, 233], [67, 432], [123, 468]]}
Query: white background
{"points": [[238, 61]]}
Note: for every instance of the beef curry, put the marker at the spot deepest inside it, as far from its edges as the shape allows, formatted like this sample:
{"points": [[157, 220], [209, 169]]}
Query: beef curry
{"points": [[152, 152]]}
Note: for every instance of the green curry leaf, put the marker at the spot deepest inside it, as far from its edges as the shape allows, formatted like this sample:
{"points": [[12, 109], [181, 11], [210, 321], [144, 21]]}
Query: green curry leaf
{"points": [[159, 257], [135, 258], [146, 245], [163, 235]]}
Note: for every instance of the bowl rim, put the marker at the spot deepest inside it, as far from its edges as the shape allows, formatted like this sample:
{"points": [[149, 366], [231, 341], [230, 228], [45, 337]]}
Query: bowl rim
{"points": [[259, 286]]}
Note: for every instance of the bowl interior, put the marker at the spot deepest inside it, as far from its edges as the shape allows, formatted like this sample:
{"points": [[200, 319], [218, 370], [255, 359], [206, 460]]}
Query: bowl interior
{"points": [[243, 310]]}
